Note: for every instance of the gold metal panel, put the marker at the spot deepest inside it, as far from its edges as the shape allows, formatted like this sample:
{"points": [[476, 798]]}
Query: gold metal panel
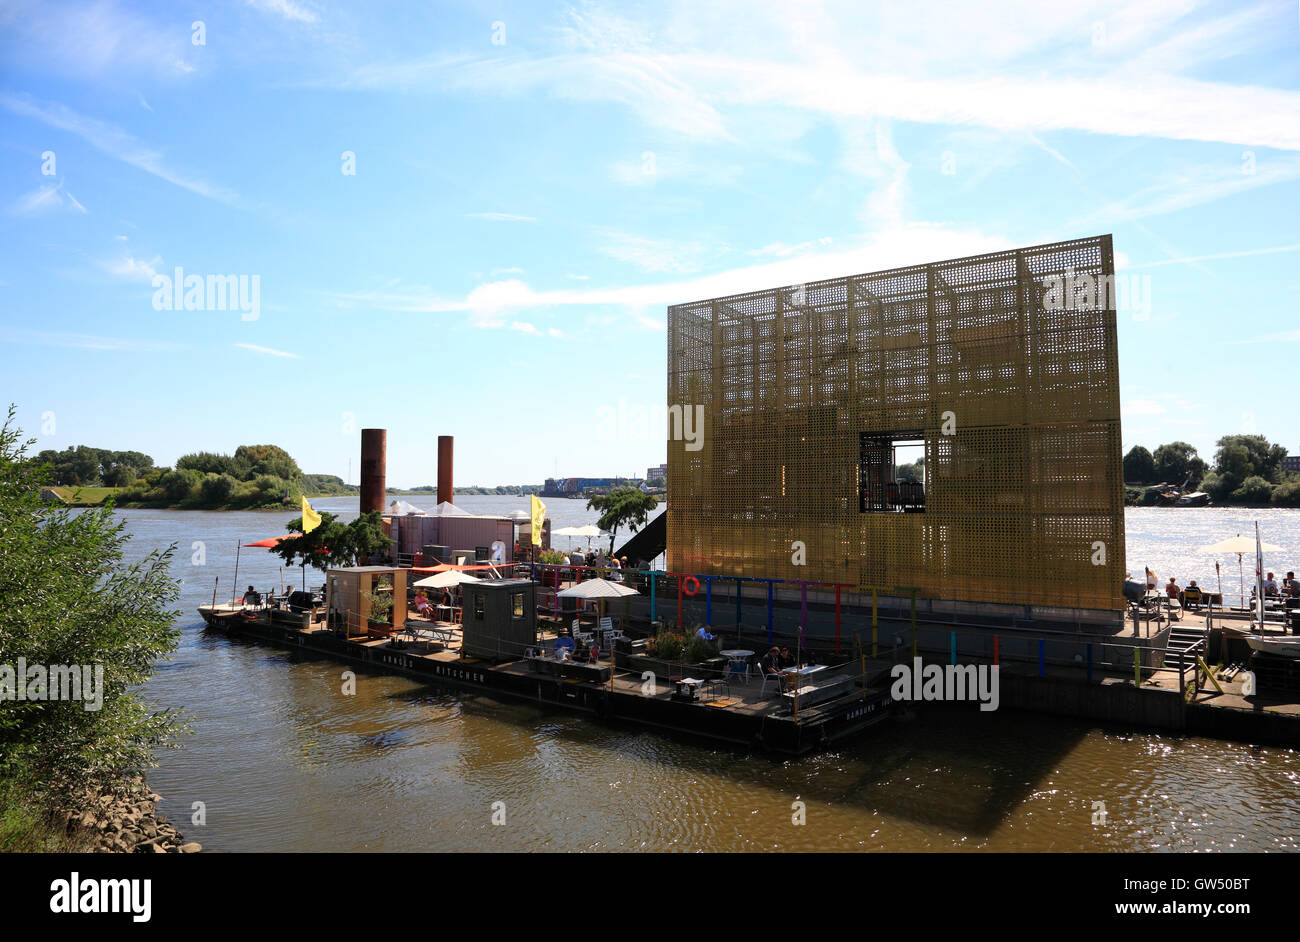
{"points": [[1022, 498]]}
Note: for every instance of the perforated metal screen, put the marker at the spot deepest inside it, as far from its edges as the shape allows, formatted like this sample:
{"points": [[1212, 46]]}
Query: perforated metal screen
{"points": [[1021, 499]]}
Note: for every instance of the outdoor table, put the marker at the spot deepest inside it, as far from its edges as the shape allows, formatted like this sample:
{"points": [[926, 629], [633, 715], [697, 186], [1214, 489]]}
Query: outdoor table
{"points": [[792, 674], [738, 662], [688, 688]]}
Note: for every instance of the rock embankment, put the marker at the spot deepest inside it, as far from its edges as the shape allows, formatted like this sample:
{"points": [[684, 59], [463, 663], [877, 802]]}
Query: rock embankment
{"points": [[126, 822]]}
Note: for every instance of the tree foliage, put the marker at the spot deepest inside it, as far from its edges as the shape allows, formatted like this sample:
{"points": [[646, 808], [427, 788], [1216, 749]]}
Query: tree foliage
{"points": [[1139, 466], [628, 506], [334, 543], [70, 598]]}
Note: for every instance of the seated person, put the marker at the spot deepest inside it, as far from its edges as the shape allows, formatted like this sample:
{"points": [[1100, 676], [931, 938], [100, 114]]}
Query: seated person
{"points": [[564, 646], [1270, 585], [1290, 586], [251, 597], [703, 632], [1172, 590], [770, 663], [422, 604]]}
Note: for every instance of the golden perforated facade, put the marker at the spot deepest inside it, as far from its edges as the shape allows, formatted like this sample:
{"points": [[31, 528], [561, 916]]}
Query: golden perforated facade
{"points": [[1003, 364]]}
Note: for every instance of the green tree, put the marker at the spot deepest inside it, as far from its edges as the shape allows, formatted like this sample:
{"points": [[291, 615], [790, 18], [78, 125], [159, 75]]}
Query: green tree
{"points": [[628, 506], [334, 543], [1175, 461], [69, 598], [268, 459], [1241, 456], [1139, 466]]}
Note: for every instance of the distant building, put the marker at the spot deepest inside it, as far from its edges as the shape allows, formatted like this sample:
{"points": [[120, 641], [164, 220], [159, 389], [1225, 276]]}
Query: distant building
{"points": [[660, 472], [577, 487], [1291, 463]]}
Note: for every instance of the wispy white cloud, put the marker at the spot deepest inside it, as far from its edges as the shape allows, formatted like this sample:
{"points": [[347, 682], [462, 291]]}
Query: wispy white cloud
{"points": [[60, 338], [1286, 336], [659, 255], [91, 39], [130, 268], [501, 217], [268, 351], [488, 303], [1243, 253], [287, 9], [784, 249], [1192, 186], [46, 198], [114, 142], [1041, 71]]}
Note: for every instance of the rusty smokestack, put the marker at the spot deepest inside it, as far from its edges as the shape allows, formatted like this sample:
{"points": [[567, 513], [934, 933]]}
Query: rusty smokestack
{"points": [[446, 491], [374, 467]]}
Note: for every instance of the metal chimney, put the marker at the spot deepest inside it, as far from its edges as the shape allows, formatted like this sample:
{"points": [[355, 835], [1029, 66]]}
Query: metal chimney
{"points": [[445, 489], [374, 466]]}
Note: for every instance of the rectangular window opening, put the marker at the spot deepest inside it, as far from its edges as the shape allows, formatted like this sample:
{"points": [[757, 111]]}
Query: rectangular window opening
{"points": [[891, 472]]}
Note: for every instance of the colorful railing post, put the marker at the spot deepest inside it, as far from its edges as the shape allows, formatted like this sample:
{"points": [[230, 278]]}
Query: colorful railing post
{"points": [[738, 588], [837, 619], [875, 622], [653, 582], [1042, 656], [708, 601], [769, 611]]}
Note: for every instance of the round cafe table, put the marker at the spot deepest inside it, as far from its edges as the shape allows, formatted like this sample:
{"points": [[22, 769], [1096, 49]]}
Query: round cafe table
{"points": [[736, 654]]}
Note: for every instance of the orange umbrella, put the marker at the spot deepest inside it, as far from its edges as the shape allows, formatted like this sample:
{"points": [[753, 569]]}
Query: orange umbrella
{"points": [[271, 541]]}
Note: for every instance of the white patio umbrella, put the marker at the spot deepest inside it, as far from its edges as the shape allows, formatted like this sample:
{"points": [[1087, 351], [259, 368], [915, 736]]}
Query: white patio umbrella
{"points": [[595, 589], [1240, 545], [445, 580], [589, 531], [599, 589]]}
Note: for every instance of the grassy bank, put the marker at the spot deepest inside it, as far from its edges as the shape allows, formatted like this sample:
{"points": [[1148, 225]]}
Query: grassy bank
{"points": [[28, 826]]}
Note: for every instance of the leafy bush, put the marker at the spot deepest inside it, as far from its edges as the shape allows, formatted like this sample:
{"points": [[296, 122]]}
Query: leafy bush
{"points": [[552, 557], [1253, 490], [180, 485], [1286, 495], [667, 646], [70, 599], [699, 650], [216, 489]]}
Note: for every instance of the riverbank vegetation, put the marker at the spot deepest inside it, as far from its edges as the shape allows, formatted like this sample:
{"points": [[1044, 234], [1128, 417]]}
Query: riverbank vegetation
{"points": [[76, 610], [255, 477], [1247, 471]]}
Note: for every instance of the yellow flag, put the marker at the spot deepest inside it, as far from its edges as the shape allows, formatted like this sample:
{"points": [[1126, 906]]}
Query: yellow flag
{"points": [[539, 515], [310, 519]]}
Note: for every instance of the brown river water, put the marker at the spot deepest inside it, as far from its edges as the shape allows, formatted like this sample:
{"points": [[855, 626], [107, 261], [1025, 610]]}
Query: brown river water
{"points": [[282, 761]]}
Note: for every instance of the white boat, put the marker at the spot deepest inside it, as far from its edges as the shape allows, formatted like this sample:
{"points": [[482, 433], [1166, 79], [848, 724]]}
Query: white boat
{"points": [[1277, 645]]}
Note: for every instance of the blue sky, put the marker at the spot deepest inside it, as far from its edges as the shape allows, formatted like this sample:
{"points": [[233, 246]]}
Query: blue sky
{"points": [[534, 184]]}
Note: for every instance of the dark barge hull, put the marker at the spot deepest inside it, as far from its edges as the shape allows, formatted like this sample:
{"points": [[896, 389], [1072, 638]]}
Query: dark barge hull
{"points": [[815, 728]]}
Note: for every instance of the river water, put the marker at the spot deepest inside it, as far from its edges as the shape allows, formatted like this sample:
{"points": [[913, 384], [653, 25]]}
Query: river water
{"points": [[282, 761]]}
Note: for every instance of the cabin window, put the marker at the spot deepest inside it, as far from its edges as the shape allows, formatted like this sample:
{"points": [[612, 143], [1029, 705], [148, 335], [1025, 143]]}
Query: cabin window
{"points": [[478, 608], [891, 472], [517, 604]]}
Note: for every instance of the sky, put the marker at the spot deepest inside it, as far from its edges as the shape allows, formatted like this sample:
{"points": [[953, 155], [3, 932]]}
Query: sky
{"points": [[469, 219]]}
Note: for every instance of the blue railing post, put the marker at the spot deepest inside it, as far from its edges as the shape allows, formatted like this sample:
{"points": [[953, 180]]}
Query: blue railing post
{"points": [[653, 580], [708, 601], [952, 647], [1042, 656]]}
